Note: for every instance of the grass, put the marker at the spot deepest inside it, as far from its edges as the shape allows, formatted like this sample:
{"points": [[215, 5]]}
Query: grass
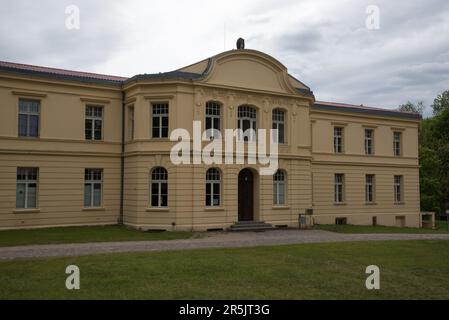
{"points": [[441, 227], [82, 235], [408, 270]]}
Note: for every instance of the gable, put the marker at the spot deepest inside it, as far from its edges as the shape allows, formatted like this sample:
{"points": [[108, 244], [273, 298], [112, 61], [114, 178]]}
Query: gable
{"points": [[249, 69]]}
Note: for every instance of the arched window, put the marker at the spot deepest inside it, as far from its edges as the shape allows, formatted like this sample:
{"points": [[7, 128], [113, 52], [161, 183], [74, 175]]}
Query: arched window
{"points": [[159, 187], [213, 119], [279, 188], [247, 120], [213, 187], [278, 122]]}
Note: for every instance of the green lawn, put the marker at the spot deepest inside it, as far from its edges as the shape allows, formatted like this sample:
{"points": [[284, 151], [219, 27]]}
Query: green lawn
{"points": [[82, 235], [409, 270], [441, 227]]}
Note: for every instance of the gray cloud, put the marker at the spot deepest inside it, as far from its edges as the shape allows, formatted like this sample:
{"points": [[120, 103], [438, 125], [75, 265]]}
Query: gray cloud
{"points": [[324, 44]]}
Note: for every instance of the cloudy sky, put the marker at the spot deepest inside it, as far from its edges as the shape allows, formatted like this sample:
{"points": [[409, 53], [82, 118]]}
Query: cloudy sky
{"points": [[326, 44]]}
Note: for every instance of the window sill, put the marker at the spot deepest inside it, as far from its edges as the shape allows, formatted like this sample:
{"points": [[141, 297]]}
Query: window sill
{"points": [[25, 211], [94, 141], [214, 209], [94, 209], [161, 140], [339, 203], [280, 207], [399, 203], [28, 138], [156, 209], [370, 203]]}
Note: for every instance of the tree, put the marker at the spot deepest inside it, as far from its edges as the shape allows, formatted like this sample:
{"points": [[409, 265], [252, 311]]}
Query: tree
{"points": [[440, 103], [434, 162], [411, 107]]}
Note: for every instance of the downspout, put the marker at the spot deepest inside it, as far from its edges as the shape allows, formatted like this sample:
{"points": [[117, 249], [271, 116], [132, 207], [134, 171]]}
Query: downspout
{"points": [[122, 163]]}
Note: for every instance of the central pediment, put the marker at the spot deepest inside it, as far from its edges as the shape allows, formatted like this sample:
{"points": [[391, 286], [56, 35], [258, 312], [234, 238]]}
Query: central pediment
{"points": [[250, 70], [247, 69]]}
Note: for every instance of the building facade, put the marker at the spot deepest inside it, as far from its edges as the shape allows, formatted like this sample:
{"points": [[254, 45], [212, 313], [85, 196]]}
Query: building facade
{"points": [[88, 149]]}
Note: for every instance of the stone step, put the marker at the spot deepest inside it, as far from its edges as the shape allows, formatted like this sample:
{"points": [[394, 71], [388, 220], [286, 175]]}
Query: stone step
{"points": [[251, 226]]}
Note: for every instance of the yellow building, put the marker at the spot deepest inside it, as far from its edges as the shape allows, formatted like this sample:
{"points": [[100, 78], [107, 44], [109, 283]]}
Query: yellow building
{"points": [[83, 149]]}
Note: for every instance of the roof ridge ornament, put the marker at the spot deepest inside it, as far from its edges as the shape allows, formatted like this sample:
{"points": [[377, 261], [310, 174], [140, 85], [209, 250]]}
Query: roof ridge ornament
{"points": [[240, 44]]}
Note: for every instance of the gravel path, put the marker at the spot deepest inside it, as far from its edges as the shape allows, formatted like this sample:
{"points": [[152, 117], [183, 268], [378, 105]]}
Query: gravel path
{"points": [[211, 240]]}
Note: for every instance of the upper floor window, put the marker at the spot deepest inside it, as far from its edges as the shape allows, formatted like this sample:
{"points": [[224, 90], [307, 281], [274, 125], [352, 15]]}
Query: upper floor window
{"points": [[131, 123], [369, 141], [213, 119], [213, 186], [339, 188], [93, 185], [160, 120], [397, 141], [26, 188], [369, 188], [94, 123], [247, 122], [29, 111], [398, 196], [159, 187], [338, 139], [278, 122], [279, 188]]}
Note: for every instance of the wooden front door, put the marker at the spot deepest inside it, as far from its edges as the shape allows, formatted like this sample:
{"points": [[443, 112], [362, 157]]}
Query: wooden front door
{"points": [[246, 195]]}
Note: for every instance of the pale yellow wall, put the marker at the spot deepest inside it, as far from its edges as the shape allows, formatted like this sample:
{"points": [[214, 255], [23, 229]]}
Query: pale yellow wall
{"points": [[60, 153], [237, 78]]}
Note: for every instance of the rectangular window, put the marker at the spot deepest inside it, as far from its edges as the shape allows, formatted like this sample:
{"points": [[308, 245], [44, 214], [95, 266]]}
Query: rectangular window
{"points": [[160, 120], [278, 123], [369, 188], [26, 188], [397, 139], [369, 141], [398, 196], [338, 139], [29, 112], [94, 123], [131, 123], [213, 117], [93, 185], [339, 188]]}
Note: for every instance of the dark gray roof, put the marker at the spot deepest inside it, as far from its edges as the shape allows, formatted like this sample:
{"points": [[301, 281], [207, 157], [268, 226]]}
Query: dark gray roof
{"points": [[365, 110], [166, 75]]}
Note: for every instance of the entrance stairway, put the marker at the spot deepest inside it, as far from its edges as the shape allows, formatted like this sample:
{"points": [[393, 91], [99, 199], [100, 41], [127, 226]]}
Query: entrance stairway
{"points": [[251, 226]]}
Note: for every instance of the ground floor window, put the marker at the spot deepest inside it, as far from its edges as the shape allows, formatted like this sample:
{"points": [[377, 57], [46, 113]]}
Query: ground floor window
{"points": [[398, 197], [279, 188], [213, 186], [369, 188], [93, 185], [159, 187], [339, 188], [26, 188]]}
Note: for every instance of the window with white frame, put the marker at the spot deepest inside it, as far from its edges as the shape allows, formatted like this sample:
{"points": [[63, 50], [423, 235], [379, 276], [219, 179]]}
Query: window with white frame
{"points": [[131, 123], [26, 188], [369, 188], [339, 188], [398, 196], [213, 119], [160, 120], [159, 187], [397, 138], [29, 113], [213, 187], [247, 122], [94, 123], [278, 123], [369, 141], [338, 139], [93, 185], [279, 188]]}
